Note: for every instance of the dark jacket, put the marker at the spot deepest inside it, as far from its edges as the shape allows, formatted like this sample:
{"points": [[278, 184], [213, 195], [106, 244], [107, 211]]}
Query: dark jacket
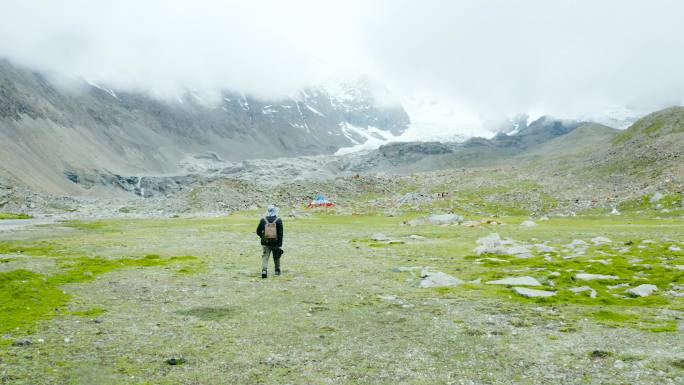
{"points": [[279, 231]]}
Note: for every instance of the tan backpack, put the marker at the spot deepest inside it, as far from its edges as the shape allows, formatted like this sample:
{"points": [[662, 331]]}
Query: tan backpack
{"points": [[270, 230]]}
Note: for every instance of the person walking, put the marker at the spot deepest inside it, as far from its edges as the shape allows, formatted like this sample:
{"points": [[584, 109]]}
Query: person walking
{"points": [[270, 230]]}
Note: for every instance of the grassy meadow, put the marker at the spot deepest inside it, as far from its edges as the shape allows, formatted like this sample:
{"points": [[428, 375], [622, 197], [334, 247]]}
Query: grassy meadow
{"points": [[181, 301]]}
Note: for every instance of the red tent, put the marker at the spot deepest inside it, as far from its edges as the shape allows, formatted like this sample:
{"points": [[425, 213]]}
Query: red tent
{"points": [[319, 201]]}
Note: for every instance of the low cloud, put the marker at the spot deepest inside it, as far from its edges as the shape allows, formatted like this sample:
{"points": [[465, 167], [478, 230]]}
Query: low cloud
{"points": [[491, 58]]}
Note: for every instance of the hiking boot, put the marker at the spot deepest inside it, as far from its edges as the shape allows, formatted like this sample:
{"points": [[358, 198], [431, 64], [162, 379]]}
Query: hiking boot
{"points": [[277, 272], [263, 274]]}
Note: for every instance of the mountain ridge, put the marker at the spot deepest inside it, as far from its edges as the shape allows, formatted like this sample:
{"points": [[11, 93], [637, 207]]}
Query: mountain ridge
{"points": [[46, 131]]}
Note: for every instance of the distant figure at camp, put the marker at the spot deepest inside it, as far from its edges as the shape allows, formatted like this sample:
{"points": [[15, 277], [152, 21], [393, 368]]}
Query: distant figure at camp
{"points": [[270, 230]]}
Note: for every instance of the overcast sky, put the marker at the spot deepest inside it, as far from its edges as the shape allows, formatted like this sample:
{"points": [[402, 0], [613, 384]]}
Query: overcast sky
{"points": [[491, 58]]}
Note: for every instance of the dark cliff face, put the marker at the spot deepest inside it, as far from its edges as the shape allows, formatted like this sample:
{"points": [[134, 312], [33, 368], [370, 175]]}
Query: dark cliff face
{"points": [[133, 132]]}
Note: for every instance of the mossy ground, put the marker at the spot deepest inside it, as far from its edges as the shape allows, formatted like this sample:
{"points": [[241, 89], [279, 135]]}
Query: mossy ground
{"points": [[14, 216], [339, 314]]}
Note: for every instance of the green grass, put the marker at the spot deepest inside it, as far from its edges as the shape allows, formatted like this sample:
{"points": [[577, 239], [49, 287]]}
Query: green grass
{"points": [[14, 216], [669, 201], [27, 297], [190, 288]]}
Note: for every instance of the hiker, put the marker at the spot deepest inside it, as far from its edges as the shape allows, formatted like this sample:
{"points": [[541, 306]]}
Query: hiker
{"points": [[270, 230]]}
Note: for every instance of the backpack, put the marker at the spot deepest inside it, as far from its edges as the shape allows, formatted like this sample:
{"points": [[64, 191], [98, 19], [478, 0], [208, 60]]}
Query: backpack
{"points": [[270, 230]]}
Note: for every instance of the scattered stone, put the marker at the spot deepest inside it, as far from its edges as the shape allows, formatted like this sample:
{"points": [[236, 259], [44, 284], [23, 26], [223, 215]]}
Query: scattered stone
{"points": [[619, 285], [544, 248], [176, 361], [642, 290], [438, 279], [519, 251], [380, 237], [493, 244], [656, 197], [678, 267], [416, 237], [533, 293], [402, 269], [600, 241], [544, 218], [22, 343], [476, 281], [524, 281], [589, 277], [554, 274], [437, 219], [674, 248], [648, 241], [528, 223], [577, 243], [576, 290]]}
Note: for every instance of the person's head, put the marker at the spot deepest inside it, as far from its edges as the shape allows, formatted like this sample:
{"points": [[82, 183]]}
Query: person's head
{"points": [[272, 211]]}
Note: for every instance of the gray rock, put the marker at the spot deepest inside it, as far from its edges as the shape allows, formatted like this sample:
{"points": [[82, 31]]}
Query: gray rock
{"points": [[525, 281], [577, 243], [533, 293], [656, 197], [642, 290], [528, 224], [674, 248], [402, 269], [600, 241], [416, 237], [438, 279], [380, 237], [619, 285], [544, 248], [592, 292], [590, 277], [519, 251], [443, 219], [23, 342]]}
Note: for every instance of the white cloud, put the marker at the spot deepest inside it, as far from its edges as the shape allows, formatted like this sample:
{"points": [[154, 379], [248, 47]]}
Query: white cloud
{"points": [[490, 58]]}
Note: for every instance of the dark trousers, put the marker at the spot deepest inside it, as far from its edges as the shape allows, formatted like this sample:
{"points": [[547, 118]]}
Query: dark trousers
{"points": [[268, 250]]}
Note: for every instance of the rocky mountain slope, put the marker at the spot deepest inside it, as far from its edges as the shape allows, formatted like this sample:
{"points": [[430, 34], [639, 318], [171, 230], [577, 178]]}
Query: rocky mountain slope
{"points": [[49, 134], [417, 156], [654, 144]]}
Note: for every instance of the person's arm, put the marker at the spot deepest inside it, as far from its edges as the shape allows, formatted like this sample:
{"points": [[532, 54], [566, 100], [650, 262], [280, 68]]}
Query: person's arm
{"points": [[260, 228], [279, 231]]}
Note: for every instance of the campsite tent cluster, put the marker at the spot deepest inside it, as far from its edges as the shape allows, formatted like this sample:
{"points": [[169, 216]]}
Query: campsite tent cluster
{"points": [[319, 201]]}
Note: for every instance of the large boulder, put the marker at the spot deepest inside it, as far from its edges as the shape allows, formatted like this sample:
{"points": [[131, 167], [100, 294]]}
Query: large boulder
{"points": [[438, 279], [642, 290]]}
